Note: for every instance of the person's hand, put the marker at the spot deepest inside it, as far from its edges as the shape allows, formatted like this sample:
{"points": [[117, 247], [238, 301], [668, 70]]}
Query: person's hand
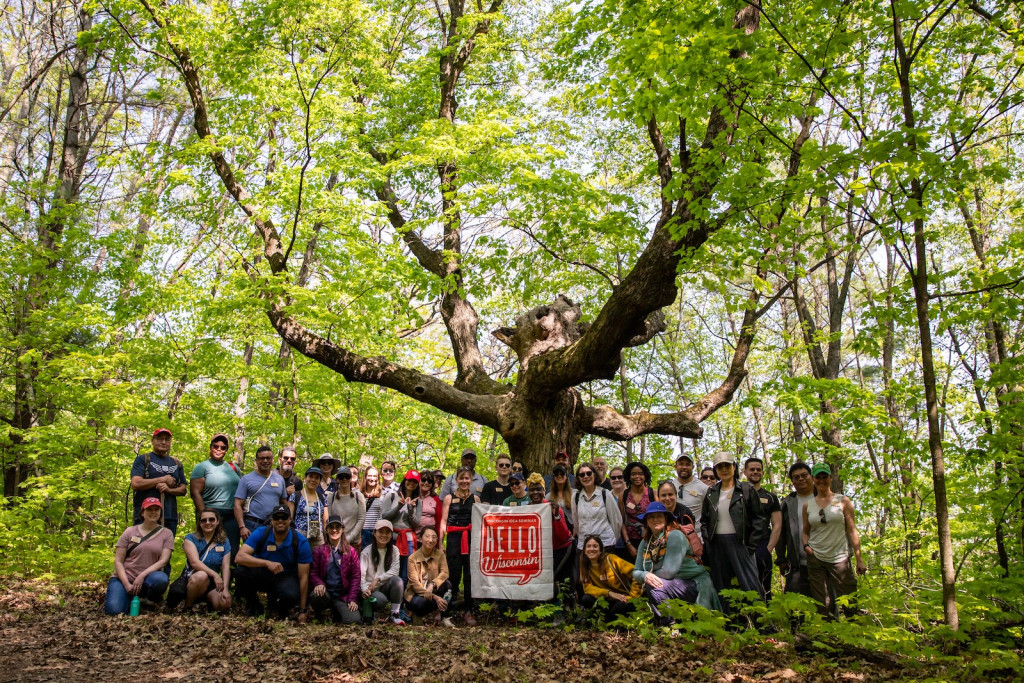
{"points": [[618, 596], [275, 567], [319, 591], [373, 585], [244, 532], [290, 490], [441, 603], [861, 567], [301, 618], [653, 580], [169, 480], [137, 585], [162, 487], [808, 550], [367, 593], [218, 582], [353, 606]]}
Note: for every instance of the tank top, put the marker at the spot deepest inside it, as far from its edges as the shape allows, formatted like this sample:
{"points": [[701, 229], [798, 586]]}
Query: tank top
{"points": [[828, 540], [460, 513]]}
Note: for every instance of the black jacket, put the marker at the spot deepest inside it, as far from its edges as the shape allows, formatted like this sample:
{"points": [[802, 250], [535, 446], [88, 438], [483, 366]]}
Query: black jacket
{"points": [[744, 509], [790, 542]]}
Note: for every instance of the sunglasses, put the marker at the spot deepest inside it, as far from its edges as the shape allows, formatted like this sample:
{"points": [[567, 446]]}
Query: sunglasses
{"points": [[821, 516], [288, 459], [617, 477], [218, 447], [517, 469], [563, 474], [516, 482], [708, 476], [344, 477], [208, 520], [587, 473], [387, 471], [280, 518], [504, 465]]}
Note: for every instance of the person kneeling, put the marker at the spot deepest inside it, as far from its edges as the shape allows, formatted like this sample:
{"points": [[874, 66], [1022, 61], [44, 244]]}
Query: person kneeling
{"points": [[379, 564], [142, 552], [274, 559], [335, 575], [606, 576], [665, 564], [208, 567], [429, 589]]}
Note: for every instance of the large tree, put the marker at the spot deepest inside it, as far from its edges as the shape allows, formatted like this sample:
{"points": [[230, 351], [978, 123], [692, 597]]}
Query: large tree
{"points": [[556, 351]]}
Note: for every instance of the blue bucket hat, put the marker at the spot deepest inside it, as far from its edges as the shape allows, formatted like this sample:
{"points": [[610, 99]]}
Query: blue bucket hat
{"points": [[655, 507]]}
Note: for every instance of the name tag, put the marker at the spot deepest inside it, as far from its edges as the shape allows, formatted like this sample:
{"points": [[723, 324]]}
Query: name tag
{"points": [[273, 485], [513, 504], [136, 539], [764, 501], [219, 548], [595, 504], [631, 506], [271, 548], [498, 489]]}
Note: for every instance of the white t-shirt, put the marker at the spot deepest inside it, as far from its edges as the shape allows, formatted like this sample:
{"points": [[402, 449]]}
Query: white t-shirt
{"points": [[725, 525], [691, 494]]}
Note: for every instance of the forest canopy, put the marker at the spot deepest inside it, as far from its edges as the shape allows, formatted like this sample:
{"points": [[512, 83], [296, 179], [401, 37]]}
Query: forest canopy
{"points": [[633, 228]]}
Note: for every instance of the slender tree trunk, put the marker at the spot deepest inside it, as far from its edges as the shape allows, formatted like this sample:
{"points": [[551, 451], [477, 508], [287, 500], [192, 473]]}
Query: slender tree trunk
{"points": [[240, 407]]}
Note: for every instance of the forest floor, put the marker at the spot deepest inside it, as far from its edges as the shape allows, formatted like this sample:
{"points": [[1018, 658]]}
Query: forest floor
{"points": [[49, 633]]}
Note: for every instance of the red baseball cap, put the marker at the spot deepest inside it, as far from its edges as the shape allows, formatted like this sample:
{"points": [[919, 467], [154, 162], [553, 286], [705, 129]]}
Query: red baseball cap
{"points": [[163, 430], [150, 502], [412, 474]]}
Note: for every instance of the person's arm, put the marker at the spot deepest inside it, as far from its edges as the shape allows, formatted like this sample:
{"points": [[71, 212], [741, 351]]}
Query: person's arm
{"points": [[805, 531], [224, 580], [240, 517], [415, 513], [773, 540], [354, 574], [639, 574], [119, 555], [614, 518], [392, 570], [623, 532], [195, 488], [356, 534], [366, 570], [676, 547], [293, 503], [390, 507], [192, 558], [444, 516], [318, 570], [851, 534], [165, 556], [177, 486]]}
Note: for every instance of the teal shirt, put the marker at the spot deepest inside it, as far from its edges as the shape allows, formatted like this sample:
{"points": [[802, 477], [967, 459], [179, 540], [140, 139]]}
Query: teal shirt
{"points": [[221, 484], [678, 564]]}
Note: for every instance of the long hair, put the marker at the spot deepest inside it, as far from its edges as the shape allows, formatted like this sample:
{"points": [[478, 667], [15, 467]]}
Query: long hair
{"points": [[670, 525], [375, 491], [388, 553], [344, 545], [561, 494], [585, 561], [218, 533], [405, 488]]}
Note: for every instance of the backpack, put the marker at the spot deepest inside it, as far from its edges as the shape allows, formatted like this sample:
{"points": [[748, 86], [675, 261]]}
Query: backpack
{"points": [[266, 541], [696, 545], [145, 475]]}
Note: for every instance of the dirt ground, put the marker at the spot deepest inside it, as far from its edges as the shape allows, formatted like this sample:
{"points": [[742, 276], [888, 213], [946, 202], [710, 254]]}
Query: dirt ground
{"points": [[45, 637]]}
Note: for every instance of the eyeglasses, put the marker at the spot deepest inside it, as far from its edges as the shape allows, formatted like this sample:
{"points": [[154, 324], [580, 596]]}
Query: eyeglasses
{"points": [[208, 520], [587, 473], [821, 516], [504, 465], [218, 447], [617, 477]]}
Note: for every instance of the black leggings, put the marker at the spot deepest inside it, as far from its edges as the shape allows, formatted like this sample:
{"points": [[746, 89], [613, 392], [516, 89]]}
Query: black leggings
{"points": [[458, 571]]}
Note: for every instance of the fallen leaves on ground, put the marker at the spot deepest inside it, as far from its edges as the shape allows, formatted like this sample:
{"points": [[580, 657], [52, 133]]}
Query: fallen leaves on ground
{"points": [[67, 636]]}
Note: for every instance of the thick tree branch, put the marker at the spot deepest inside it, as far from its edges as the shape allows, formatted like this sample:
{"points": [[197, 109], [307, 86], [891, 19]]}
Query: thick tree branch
{"points": [[611, 424]]}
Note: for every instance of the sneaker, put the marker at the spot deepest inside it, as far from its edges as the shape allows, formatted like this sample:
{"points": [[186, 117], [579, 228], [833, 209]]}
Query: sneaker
{"points": [[447, 623], [396, 620], [468, 618], [404, 616]]}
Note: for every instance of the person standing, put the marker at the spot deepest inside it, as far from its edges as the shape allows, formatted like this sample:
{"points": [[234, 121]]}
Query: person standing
{"points": [[829, 531], [601, 472], [594, 510], [730, 521], [308, 510], [497, 490], [790, 555], [388, 484], [213, 484], [561, 460], [770, 530], [141, 553], [518, 497], [371, 493], [456, 526], [286, 468], [275, 560], [478, 483], [348, 505], [428, 509], [158, 475], [258, 493], [328, 465], [617, 477], [690, 491], [632, 506]]}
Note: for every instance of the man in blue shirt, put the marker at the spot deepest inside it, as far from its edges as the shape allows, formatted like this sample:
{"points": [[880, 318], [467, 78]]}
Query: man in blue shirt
{"points": [[258, 493], [275, 559]]}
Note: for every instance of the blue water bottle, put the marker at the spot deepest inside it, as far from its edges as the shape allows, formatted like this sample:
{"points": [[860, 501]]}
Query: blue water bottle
{"points": [[133, 610]]}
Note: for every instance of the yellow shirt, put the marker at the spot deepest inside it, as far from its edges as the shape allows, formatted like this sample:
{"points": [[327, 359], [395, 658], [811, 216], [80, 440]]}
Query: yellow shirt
{"points": [[615, 574]]}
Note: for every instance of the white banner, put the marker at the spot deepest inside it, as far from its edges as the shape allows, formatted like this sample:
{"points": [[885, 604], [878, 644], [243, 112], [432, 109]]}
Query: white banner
{"points": [[510, 556]]}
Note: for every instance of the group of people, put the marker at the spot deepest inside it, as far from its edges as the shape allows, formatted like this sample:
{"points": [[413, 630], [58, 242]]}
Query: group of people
{"points": [[356, 546]]}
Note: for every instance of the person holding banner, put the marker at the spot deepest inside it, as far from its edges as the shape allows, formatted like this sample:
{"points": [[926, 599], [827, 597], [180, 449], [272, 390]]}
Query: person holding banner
{"points": [[665, 564], [428, 589], [457, 523], [595, 510], [607, 576], [561, 535], [519, 496]]}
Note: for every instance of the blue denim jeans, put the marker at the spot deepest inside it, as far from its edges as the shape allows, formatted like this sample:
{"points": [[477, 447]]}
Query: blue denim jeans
{"points": [[118, 600]]}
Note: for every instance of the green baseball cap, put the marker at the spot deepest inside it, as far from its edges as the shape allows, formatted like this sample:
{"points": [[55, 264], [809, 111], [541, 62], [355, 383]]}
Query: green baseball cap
{"points": [[820, 468]]}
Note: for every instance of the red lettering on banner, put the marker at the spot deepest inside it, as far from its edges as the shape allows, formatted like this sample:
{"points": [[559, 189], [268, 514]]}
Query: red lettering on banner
{"points": [[511, 546]]}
